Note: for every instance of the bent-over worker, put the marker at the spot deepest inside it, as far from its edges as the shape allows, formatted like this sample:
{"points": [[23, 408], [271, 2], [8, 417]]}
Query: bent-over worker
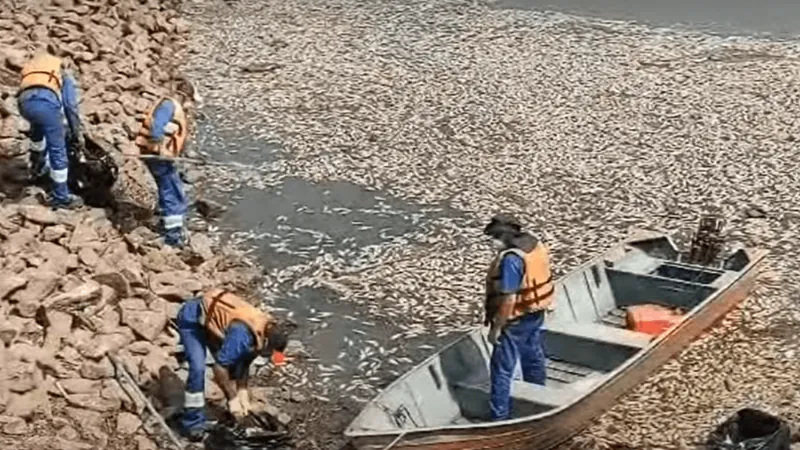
{"points": [[519, 288], [48, 93], [163, 134], [236, 332]]}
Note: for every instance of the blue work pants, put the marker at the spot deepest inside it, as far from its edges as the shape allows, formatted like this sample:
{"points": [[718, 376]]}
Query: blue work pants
{"points": [[172, 201], [193, 339], [520, 341], [42, 109]]}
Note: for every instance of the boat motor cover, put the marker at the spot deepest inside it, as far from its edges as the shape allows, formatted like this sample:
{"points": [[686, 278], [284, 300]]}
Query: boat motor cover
{"points": [[751, 429]]}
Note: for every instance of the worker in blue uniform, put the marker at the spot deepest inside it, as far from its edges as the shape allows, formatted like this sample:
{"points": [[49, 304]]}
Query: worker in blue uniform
{"points": [[519, 289], [162, 137], [236, 332], [48, 94]]}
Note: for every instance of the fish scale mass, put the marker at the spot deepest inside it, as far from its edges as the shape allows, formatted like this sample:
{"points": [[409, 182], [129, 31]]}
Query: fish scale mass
{"points": [[584, 128]]}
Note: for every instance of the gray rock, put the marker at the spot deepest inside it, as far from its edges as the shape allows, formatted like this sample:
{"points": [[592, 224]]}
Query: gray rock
{"points": [[15, 427], [95, 402], [41, 283], [96, 370], [147, 324], [39, 214], [10, 283], [54, 233], [209, 209], [128, 423], [88, 292], [116, 281]]}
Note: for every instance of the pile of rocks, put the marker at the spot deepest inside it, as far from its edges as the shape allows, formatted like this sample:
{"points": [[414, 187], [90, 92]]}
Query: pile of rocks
{"points": [[123, 54], [74, 290]]}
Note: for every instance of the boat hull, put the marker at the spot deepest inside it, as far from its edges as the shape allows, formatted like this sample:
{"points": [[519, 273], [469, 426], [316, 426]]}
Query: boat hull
{"points": [[547, 432]]}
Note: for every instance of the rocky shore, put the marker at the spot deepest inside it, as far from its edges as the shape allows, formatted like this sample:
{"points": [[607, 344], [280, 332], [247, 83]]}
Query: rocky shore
{"points": [[79, 286]]}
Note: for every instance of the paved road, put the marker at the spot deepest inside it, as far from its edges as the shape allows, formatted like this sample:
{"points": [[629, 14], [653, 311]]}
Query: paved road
{"points": [[776, 17]]}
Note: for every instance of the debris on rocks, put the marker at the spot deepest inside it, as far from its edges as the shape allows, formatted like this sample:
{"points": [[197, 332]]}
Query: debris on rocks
{"points": [[209, 208]]}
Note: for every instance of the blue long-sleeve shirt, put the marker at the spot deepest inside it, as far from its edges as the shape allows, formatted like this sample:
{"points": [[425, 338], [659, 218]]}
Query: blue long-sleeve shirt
{"points": [[512, 268], [70, 100], [161, 117], [235, 353]]}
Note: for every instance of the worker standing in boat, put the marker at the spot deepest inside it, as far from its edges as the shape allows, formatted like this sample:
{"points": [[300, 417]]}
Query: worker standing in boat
{"points": [[519, 288]]}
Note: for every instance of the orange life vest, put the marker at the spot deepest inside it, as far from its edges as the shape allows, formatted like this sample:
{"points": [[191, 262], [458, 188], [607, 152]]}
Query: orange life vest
{"points": [[221, 308], [43, 70], [173, 144], [536, 292]]}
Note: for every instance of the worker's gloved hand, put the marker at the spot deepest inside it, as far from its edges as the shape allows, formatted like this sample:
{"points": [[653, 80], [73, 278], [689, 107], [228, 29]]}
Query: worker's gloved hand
{"points": [[171, 128], [236, 408], [244, 399]]}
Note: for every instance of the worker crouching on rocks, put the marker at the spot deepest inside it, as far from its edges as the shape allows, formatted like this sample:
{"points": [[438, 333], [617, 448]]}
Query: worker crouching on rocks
{"points": [[48, 94], [162, 137], [236, 332], [519, 289]]}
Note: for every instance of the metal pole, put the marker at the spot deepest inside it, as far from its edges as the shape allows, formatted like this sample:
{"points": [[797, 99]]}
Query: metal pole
{"points": [[191, 161], [120, 369]]}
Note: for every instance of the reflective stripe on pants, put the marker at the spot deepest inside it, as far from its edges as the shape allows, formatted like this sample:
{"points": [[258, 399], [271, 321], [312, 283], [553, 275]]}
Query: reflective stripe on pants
{"points": [[42, 109], [171, 199], [171, 222], [194, 399], [59, 176], [193, 339]]}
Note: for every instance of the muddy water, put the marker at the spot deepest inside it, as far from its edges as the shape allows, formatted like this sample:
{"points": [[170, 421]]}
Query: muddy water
{"points": [[297, 222], [302, 221]]}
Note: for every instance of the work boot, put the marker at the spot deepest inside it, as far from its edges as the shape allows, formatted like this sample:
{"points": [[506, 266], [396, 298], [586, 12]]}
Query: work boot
{"points": [[62, 198], [174, 237], [73, 202], [195, 434]]}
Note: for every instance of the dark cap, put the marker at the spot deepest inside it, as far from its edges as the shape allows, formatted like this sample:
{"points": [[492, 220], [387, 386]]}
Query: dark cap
{"points": [[502, 223]]}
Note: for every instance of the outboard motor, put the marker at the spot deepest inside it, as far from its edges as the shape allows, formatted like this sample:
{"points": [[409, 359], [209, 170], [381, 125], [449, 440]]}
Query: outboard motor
{"points": [[708, 241]]}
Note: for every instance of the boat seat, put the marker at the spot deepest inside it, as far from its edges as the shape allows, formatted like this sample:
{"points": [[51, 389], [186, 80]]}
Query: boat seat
{"points": [[603, 333]]}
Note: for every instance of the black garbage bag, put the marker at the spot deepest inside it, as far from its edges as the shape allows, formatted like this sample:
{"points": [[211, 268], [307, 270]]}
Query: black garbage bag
{"points": [[92, 171], [751, 429], [257, 432]]}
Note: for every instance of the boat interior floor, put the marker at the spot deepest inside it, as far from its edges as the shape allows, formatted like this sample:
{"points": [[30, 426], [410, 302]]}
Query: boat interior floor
{"points": [[565, 382]]}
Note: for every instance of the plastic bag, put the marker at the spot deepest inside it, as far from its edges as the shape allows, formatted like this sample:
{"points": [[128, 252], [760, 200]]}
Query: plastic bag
{"points": [[751, 429], [257, 432]]}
